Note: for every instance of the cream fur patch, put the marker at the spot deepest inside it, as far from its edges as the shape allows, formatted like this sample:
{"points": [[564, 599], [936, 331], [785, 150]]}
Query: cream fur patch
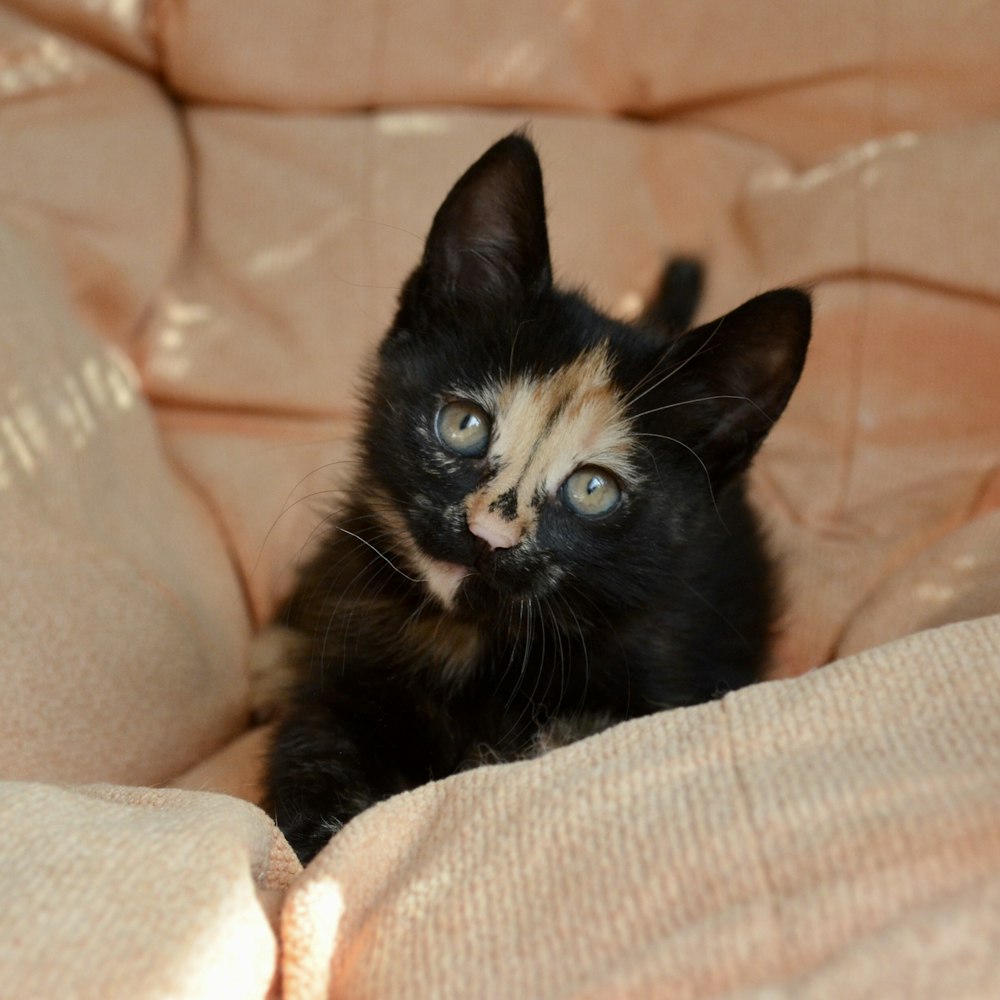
{"points": [[544, 429], [441, 578]]}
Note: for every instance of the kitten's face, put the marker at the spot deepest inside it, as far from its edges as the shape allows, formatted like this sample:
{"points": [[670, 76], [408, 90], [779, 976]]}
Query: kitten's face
{"points": [[523, 445], [514, 480]]}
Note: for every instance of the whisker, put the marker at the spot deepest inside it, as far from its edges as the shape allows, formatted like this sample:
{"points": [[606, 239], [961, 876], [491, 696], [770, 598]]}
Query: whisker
{"points": [[708, 604], [378, 552], [513, 644], [701, 347], [355, 604], [527, 640], [574, 587], [297, 559], [703, 399], [561, 652], [583, 648], [513, 344], [333, 616], [285, 508], [687, 447]]}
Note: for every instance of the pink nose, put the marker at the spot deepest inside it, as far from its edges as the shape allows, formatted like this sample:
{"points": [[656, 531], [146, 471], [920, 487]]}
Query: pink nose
{"points": [[494, 530]]}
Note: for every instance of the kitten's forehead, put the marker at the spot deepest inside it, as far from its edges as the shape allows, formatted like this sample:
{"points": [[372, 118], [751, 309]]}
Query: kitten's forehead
{"points": [[552, 424], [545, 426]]}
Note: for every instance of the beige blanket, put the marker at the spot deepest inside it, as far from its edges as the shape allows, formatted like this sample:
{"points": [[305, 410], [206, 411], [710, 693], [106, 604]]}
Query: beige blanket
{"points": [[204, 214], [834, 836]]}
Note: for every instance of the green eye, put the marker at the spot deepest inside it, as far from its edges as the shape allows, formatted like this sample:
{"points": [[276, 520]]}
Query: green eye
{"points": [[591, 492], [464, 428]]}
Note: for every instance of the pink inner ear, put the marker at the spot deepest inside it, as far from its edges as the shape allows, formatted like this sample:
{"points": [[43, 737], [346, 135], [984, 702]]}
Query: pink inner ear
{"points": [[757, 350], [774, 360]]}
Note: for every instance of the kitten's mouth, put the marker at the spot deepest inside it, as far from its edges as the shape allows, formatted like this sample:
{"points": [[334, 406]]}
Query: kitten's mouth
{"points": [[444, 578], [474, 592]]}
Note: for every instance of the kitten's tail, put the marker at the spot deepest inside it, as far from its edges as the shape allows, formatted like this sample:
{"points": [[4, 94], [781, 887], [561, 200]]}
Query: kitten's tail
{"points": [[673, 306]]}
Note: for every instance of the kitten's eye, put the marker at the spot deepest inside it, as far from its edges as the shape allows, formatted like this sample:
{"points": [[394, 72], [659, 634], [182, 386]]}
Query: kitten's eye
{"points": [[591, 492], [464, 428]]}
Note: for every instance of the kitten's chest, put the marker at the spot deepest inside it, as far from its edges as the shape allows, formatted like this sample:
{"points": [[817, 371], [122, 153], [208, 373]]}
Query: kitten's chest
{"points": [[490, 724], [446, 649]]}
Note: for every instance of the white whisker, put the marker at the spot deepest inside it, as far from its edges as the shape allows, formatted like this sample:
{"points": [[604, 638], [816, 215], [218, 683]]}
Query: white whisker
{"points": [[378, 552], [702, 399], [670, 374], [687, 447]]}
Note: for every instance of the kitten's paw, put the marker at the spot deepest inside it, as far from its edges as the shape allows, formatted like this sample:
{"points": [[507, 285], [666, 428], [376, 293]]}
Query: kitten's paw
{"points": [[273, 670]]}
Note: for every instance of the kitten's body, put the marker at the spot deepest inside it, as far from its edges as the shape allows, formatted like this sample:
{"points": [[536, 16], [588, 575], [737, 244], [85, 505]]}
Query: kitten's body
{"points": [[592, 558]]}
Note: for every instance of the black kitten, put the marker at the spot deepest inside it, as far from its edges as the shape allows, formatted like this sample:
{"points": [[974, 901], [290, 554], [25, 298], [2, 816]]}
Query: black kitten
{"points": [[549, 531]]}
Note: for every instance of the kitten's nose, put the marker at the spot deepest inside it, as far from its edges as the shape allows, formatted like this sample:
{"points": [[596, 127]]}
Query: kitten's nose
{"points": [[494, 530]]}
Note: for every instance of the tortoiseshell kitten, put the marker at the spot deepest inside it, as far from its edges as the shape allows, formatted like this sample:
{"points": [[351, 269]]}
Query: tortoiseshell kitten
{"points": [[548, 532]]}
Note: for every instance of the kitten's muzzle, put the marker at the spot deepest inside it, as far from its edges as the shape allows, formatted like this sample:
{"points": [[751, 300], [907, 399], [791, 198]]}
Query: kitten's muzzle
{"points": [[511, 572], [496, 531]]}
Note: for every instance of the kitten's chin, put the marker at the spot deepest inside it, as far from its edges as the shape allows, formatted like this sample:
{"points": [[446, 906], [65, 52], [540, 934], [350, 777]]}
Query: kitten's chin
{"points": [[440, 577], [443, 579]]}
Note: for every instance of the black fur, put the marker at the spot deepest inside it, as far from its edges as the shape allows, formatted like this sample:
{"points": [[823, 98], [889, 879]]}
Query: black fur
{"points": [[667, 601]]}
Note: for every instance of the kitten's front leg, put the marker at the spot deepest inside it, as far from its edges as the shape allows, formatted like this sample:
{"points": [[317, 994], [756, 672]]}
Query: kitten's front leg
{"points": [[336, 754]]}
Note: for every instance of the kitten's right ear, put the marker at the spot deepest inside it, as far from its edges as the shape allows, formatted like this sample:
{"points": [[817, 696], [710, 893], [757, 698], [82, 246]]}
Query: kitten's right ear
{"points": [[728, 381], [489, 239]]}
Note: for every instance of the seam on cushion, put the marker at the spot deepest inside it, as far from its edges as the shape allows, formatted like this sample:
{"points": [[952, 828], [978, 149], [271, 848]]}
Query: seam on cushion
{"points": [[712, 98], [909, 551], [376, 75], [370, 151], [368, 155], [981, 505], [203, 497], [887, 275], [157, 12], [862, 222]]}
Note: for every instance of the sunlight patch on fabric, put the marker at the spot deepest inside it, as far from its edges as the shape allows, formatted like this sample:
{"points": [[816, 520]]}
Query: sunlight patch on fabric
{"points": [[62, 411]]}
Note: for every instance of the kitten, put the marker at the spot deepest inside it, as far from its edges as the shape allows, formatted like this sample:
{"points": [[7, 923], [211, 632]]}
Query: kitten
{"points": [[548, 532]]}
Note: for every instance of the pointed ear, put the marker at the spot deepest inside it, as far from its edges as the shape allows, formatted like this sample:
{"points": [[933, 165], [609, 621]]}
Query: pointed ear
{"points": [[489, 236], [732, 378]]}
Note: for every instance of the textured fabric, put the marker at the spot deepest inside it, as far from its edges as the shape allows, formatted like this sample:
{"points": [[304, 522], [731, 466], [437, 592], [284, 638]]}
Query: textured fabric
{"points": [[123, 625], [835, 836], [113, 892], [204, 219]]}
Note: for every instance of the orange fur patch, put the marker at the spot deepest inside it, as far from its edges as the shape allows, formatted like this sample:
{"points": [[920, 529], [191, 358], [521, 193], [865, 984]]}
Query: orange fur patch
{"points": [[546, 428]]}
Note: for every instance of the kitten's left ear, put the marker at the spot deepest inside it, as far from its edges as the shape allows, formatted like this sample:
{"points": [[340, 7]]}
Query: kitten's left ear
{"points": [[730, 379], [489, 237]]}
